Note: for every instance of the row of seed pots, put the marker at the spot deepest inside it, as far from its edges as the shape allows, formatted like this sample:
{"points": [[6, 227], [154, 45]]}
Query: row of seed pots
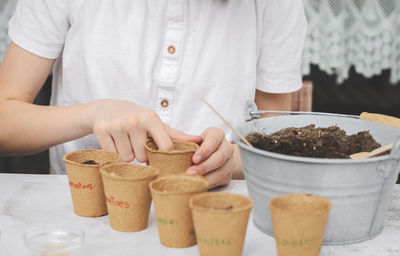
{"points": [[186, 213]]}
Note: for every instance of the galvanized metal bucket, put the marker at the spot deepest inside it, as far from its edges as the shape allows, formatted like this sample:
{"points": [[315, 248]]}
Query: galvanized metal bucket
{"points": [[360, 190]]}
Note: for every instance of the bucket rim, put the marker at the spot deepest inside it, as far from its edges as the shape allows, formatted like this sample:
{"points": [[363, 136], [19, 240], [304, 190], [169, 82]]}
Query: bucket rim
{"points": [[313, 160], [304, 159]]}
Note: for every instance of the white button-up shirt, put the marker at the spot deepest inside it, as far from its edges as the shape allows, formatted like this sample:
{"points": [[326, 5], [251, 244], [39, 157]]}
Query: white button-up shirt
{"points": [[165, 55]]}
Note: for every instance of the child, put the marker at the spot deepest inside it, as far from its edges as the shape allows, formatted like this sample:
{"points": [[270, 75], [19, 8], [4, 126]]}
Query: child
{"points": [[127, 70]]}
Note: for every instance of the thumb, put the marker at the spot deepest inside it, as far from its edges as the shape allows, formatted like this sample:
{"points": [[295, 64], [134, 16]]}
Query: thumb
{"points": [[179, 135]]}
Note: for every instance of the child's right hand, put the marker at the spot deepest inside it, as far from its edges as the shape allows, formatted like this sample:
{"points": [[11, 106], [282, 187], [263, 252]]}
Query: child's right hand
{"points": [[123, 127]]}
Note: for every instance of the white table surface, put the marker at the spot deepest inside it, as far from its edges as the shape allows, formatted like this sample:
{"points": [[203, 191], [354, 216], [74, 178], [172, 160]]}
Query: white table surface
{"points": [[28, 200]]}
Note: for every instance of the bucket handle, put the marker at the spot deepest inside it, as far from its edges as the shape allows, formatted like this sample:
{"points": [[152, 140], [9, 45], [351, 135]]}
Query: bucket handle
{"points": [[251, 112], [383, 170], [385, 167]]}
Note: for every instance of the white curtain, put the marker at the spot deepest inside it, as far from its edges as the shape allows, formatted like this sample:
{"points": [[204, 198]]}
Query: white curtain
{"points": [[360, 33], [7, 8], [341, 34]]}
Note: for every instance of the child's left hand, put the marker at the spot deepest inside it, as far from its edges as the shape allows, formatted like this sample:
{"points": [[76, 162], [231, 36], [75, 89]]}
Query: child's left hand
{"points": [[216, 159]]}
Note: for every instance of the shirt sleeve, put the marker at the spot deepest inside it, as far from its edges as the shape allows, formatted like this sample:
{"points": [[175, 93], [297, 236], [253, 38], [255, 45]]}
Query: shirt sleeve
{"points": [[282, 37], [40, 26]]}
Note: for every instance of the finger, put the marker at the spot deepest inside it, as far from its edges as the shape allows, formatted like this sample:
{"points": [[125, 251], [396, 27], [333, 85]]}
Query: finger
{"points": [[159, 133], [123, 145], [105, 140], [138, 140], [212, 138], [219, 177], [179, 135], [215, 161]]}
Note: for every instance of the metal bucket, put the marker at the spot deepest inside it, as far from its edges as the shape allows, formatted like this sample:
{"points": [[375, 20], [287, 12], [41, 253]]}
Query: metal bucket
{"points": [[360, 190]]}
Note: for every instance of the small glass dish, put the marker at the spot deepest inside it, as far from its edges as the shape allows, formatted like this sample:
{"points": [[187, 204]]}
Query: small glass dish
{"points": [[52, 240]]}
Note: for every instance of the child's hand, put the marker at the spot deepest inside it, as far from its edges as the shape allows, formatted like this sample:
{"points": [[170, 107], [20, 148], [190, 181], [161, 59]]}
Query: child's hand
{"points": [[216, 159], [123, 127]]}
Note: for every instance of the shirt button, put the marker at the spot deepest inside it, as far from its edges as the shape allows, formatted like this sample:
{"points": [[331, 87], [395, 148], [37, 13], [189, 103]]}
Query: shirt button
{"points": [[164, 103], [171, 49]]}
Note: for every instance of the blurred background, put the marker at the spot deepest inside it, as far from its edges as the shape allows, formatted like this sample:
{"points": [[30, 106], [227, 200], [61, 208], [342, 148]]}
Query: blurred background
{"points": [[351, 63]]}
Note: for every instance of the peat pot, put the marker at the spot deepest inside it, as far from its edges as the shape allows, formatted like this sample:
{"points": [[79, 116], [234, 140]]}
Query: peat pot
{"points": [[360, 190]]}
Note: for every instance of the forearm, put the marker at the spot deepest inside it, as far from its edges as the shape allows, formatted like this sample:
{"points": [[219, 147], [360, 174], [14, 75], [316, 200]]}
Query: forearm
{"points": [[270, 101], [28, 128]]}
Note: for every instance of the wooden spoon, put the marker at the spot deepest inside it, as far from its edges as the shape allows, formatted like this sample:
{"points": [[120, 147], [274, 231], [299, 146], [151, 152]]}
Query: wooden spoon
{"points": [[375, 152], [379, 118]]}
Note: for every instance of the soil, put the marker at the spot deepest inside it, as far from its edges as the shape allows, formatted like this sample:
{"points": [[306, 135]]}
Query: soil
{"points": [[309, 141], [227, 208], [90, 162]]}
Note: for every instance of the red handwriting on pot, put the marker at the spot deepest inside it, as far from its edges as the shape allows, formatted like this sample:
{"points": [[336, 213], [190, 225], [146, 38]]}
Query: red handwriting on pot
{"points": [[79, 185], [112, 200]]}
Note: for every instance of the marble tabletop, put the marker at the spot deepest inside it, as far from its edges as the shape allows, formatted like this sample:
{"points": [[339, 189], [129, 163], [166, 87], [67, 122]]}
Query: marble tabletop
{"points": [[29, 200]]}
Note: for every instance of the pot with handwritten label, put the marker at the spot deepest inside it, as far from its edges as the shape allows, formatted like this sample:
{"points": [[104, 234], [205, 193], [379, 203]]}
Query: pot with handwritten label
{"points": [[83, 170], [299, 223], [220, 222], [171, 196], [126, 188]]}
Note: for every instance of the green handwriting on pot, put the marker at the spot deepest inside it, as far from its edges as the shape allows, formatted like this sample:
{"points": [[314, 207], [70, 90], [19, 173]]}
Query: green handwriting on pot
{"points": [[214, 241], [294, 242], [166, 221]]}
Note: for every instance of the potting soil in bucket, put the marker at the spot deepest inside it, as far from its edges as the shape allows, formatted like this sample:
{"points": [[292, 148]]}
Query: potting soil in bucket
{"points": [[360, 190]]}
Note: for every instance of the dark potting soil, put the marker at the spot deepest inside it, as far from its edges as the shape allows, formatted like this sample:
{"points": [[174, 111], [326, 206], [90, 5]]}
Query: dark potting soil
{"points": [[308, 141], [227, 208], [90, 162]]}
